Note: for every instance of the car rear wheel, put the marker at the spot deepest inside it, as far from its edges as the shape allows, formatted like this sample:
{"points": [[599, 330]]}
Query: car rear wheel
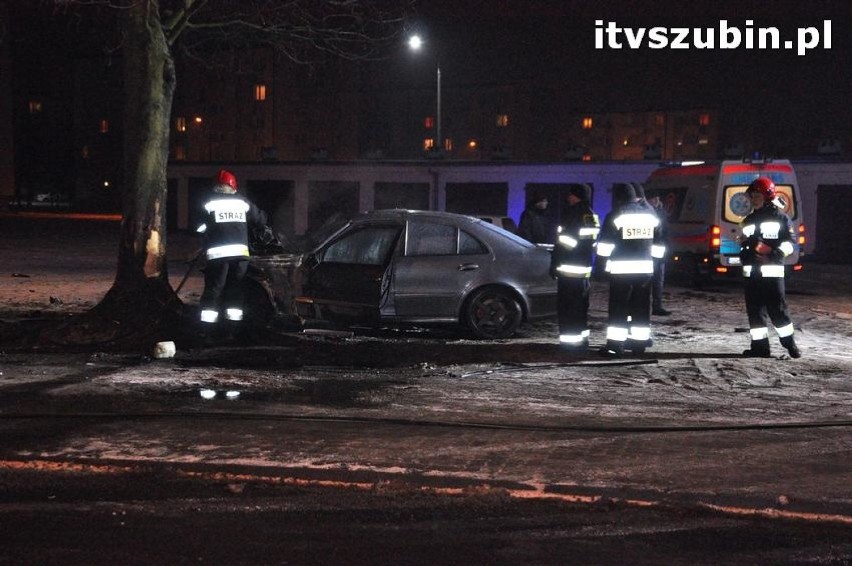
{"points": [[493, 313]]}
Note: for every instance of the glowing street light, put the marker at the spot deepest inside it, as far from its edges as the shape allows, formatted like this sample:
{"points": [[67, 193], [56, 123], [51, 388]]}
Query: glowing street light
{"points": [[415, 43]]}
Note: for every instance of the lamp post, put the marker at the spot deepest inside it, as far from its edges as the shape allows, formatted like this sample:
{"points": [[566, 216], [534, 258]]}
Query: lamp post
{"points": [[416, 43]]}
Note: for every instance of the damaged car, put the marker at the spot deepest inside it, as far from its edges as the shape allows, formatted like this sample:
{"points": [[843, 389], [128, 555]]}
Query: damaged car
{"points": [[425, 268]]}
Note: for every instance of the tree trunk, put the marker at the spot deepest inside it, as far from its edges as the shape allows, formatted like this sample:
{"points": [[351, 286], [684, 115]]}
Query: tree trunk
{"points": [[141, 307]]}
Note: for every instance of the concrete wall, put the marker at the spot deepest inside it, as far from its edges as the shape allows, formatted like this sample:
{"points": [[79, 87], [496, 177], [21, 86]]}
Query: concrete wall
{"points": [[601, 175]]}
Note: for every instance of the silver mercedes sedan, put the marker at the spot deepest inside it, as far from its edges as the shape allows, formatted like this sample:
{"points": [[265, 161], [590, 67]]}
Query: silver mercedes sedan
{"points": [[423, 267]]}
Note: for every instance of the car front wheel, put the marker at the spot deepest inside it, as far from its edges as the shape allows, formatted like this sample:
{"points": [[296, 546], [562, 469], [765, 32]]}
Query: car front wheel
{"points": [[493, 313]]}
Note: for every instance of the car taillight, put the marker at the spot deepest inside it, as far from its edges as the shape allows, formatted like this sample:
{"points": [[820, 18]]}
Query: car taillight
{"points": [[801, 234], [715, 236]]}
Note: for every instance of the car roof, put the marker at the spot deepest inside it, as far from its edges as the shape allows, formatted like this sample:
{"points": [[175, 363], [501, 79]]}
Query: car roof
{"points": [[401, 214]]}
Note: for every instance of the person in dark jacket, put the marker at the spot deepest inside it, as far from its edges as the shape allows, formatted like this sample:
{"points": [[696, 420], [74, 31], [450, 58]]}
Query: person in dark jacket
{"points": [[229, 217], [534, 225], [658, 282], [571, 266], [630, 239], [767, 239]]}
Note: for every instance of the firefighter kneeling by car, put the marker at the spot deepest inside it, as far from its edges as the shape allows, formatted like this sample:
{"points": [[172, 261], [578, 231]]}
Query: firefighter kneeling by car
{"points": [[571, 266], [630, 240], [767, 239], [228, 219]]}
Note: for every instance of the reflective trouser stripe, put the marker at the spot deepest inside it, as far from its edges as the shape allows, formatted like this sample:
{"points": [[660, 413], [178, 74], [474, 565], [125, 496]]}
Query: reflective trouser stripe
{"points": [[232, 250], [642, 333], [574, 338], [209, 315], [616, 333], [759, 333], [785, 331], [234, 314], [627, 267], [772, 270], [575, 270]]}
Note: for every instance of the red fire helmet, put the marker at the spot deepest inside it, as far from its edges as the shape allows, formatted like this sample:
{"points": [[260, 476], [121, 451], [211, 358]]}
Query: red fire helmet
{"points": [[764, 186], [225, 177]]}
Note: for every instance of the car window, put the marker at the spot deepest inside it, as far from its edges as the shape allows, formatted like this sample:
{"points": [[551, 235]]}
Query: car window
{"points": [[365, 246], [506, 234], [468, 245], [427, 238], [737, 204]]}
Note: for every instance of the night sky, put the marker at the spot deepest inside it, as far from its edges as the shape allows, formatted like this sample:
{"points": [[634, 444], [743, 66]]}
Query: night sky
{"points": [[554, 41]]}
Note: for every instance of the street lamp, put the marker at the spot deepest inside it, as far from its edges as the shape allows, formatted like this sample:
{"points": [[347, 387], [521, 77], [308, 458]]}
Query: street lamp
{"points": [[416, 43]]}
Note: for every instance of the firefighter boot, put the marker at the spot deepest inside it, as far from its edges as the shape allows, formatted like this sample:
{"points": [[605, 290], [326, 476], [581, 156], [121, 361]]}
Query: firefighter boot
{"points": [[789, 343], [759, 349], [613, 349]]}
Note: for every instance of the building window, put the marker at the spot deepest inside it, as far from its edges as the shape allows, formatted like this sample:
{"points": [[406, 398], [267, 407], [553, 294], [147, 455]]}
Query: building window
{"points": [[428, 122], [35, 106], [502, 120], [704, 120], [625, 142], [104, 127], [428, 144], [260, 92], [180, 152], [84, 152], [660, 119], [472, 144], [588, 123], [198, 120], [180, 124], [448, 144], [703, 140], [587, 157]]}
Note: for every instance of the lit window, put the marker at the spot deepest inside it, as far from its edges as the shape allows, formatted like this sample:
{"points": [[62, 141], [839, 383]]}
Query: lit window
{"points": [[587, 123], [198, 120], [625, 142], [260, 92], [660, 119], [84, 152], [502, 120], [428, 122], [180, 152], [448, 144], [703, 140], [104, 128], [180, 124], [704, 120], [587, 157], [472, 144], [35, 106], [428, 144]]}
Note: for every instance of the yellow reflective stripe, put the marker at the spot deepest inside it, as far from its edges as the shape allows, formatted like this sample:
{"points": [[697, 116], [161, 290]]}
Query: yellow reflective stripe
{"points": [[568, 241], [232, 250], [234, 314], [748, 231], [574, 338], [759, 333], [605, 249], [786, 248], [637, 220], [616, 333], [772, 270], [658, 251], [785, 331], [574, 269], [208, 315], [627, 267], [639, 333]]}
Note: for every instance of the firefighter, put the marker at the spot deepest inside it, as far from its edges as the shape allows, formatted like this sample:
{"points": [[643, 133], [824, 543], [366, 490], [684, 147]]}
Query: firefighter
{"points": [[767, 238], [571, 266], [228, 219], [630, 239]]}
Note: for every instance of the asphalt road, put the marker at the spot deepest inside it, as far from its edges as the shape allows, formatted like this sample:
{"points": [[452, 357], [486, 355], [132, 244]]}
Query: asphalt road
{"points": [[427, 448]]}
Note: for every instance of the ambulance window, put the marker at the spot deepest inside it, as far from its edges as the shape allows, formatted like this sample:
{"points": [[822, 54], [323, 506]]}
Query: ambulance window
{"points": [[737, 205], [672, 199]]}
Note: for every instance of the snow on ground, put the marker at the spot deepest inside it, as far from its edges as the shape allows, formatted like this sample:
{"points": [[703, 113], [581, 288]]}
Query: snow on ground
{"points": [[693, 374]]}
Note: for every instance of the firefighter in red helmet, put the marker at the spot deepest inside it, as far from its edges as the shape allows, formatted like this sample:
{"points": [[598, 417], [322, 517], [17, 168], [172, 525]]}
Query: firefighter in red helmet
{"points": [[228, 218], [767, 238]]}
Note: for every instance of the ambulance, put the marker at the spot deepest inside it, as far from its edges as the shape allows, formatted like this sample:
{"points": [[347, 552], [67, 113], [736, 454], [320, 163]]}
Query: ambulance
{"points": [[705, 203]]}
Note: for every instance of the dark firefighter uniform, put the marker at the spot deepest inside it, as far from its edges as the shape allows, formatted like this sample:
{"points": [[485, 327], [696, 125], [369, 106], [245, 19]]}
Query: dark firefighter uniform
{"points": [[228, 217], [630, 240], [767, 239], [571, 265]]}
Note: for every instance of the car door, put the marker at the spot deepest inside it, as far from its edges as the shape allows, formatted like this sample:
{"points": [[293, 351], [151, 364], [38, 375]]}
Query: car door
{"points": [[440, 262], [348, 276]]}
